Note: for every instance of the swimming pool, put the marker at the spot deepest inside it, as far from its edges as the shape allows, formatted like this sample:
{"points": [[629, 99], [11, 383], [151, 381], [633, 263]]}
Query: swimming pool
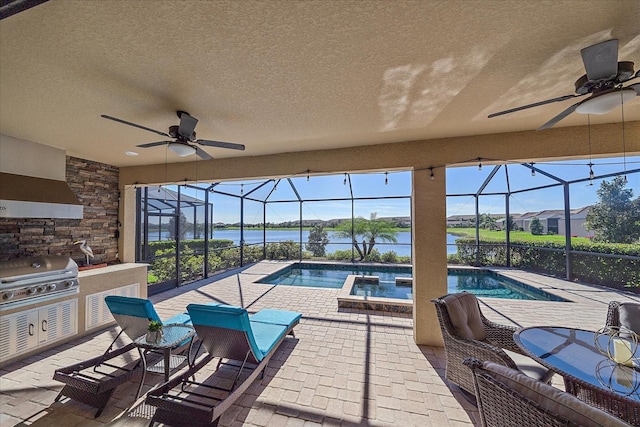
{"points": [[483, 283]]}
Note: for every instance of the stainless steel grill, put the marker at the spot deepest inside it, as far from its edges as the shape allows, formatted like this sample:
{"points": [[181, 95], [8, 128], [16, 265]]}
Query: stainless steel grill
{"points": [[25, 281]]}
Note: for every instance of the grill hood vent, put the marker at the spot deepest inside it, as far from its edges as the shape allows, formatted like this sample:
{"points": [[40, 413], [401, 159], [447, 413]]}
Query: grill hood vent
{"points": [[30, 197]]}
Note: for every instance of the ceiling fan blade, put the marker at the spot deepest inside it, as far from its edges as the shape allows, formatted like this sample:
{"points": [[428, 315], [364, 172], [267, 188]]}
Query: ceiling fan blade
{"points": [[561, 116], [535, 104], [601, 60], [202, 154], [154, 144], [187, 124], [220, 144], [115, 119]]}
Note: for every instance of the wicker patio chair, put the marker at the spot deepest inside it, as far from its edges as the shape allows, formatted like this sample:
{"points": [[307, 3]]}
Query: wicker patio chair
{"points": [[467, 333], [625, 314], [94, 381], [246, 343], [508, 398]]}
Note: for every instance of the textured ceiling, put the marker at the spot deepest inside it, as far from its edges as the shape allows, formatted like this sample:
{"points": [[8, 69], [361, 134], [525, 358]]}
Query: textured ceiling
{"points": [[282, 76]]}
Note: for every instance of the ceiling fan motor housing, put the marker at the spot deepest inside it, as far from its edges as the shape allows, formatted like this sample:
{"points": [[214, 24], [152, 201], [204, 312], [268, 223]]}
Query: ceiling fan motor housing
{"points": [[173, 132], [584, 85]]}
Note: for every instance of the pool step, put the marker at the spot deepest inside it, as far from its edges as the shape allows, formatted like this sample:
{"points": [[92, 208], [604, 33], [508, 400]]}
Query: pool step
{"points": [[367, 280], [404, 281]]}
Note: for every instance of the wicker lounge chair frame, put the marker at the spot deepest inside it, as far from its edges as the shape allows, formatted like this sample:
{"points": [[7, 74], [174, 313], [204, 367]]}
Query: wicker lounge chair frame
{"points": [[228, 345], [458, 348], [502, 406], [96, 388]]}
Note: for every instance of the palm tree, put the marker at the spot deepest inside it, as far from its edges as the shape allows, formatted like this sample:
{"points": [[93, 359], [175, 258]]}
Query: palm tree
{"points": [[487, 222], [371, 231]]}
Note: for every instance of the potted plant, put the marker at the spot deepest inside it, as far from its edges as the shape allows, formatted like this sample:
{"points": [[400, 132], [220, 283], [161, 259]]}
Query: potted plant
{"points": [[154, 333]]}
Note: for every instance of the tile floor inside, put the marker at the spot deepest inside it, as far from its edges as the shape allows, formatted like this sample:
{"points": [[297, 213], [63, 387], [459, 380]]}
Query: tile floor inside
{"points": [[345, 367]]}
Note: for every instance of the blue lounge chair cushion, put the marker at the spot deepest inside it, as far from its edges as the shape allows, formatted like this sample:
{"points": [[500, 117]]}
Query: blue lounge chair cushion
{"points": [[266, 336], [182, 318], [129, 306], [261, 335], [276, 317], [139, 307], [220, 316]]}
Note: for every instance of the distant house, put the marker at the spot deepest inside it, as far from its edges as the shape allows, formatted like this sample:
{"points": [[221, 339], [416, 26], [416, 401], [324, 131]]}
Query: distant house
{"points": [[469, 220], [461, 221], [553, 221]]}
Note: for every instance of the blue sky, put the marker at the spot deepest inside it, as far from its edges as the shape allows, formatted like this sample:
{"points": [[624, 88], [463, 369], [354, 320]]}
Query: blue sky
{"points": [[460, 180]]}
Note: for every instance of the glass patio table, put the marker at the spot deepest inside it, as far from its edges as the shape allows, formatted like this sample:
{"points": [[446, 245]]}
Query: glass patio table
{"points": [[173, 336], [588, 374]]}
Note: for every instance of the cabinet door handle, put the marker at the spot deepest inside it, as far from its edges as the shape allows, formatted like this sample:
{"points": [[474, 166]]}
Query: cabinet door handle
{"points": [[44, 326], [31, 329]]}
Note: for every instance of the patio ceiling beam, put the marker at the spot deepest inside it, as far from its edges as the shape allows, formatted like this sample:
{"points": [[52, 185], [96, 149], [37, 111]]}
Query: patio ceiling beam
{"points": [[487, 180], [609, 175], [295, 191], [506, 174], [336, 199], [256, 189], [542, 187], [226, 194], [275, 186], [545, 173]]}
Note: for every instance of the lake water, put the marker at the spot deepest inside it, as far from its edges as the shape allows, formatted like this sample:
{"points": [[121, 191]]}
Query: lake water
{"points": [[402, 248]]}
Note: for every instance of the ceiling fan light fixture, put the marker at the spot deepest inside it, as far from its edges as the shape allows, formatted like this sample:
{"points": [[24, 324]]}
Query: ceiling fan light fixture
{"points": [[605, 103], [182, 150]]}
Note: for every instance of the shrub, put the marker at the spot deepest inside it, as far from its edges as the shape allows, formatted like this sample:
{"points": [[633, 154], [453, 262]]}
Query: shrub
{"points": [[453, 259], [373, 256], [341, 255], [536, 227], [285, 250], [588, 265], [390, 257]]}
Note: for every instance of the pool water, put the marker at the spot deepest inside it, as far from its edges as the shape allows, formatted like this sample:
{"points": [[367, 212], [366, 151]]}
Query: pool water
{"points": [[482, 283]]}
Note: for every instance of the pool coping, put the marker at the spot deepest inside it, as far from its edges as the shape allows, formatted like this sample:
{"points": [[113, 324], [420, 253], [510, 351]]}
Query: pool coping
{"points": [[394, 305], [346, 300]]}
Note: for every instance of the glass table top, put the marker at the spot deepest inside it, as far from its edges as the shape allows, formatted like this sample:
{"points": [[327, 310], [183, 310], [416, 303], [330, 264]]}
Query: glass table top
{"points": [[574, 352], [172, 336]]}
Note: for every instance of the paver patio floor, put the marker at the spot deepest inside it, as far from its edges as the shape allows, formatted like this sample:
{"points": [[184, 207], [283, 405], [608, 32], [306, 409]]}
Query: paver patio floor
{"points": [[343, 368]]}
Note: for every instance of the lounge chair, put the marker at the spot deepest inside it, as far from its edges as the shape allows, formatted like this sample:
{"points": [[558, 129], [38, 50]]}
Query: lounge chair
{"points": [[94, 381], [467, 333], [230, 334], [506, 397]]}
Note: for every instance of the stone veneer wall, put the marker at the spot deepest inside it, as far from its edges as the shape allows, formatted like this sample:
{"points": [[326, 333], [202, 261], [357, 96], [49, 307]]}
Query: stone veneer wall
{"points": [[96, 186]]}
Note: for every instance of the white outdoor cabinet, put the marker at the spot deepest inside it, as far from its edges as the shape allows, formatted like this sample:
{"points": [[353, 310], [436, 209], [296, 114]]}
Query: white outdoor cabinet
{"points": [[28, 329]]}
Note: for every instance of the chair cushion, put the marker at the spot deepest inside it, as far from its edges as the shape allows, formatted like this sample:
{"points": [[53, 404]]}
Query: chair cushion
{"points": [[465, 315], [276, 317], [182, 318], [266, 336], [629, 313], [221, 316], [552, 399], [529, 366], [130, 306]]}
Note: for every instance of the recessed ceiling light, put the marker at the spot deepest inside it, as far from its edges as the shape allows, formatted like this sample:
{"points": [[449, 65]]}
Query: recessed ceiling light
{"points": [[131, 153]]}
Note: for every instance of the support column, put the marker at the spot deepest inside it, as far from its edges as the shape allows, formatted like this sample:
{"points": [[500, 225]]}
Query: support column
{"points": [[127, 216], [429, 253]]}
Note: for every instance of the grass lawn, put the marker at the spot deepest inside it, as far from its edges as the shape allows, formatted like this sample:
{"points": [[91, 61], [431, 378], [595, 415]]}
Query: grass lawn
{"points": [[520, 236]]}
